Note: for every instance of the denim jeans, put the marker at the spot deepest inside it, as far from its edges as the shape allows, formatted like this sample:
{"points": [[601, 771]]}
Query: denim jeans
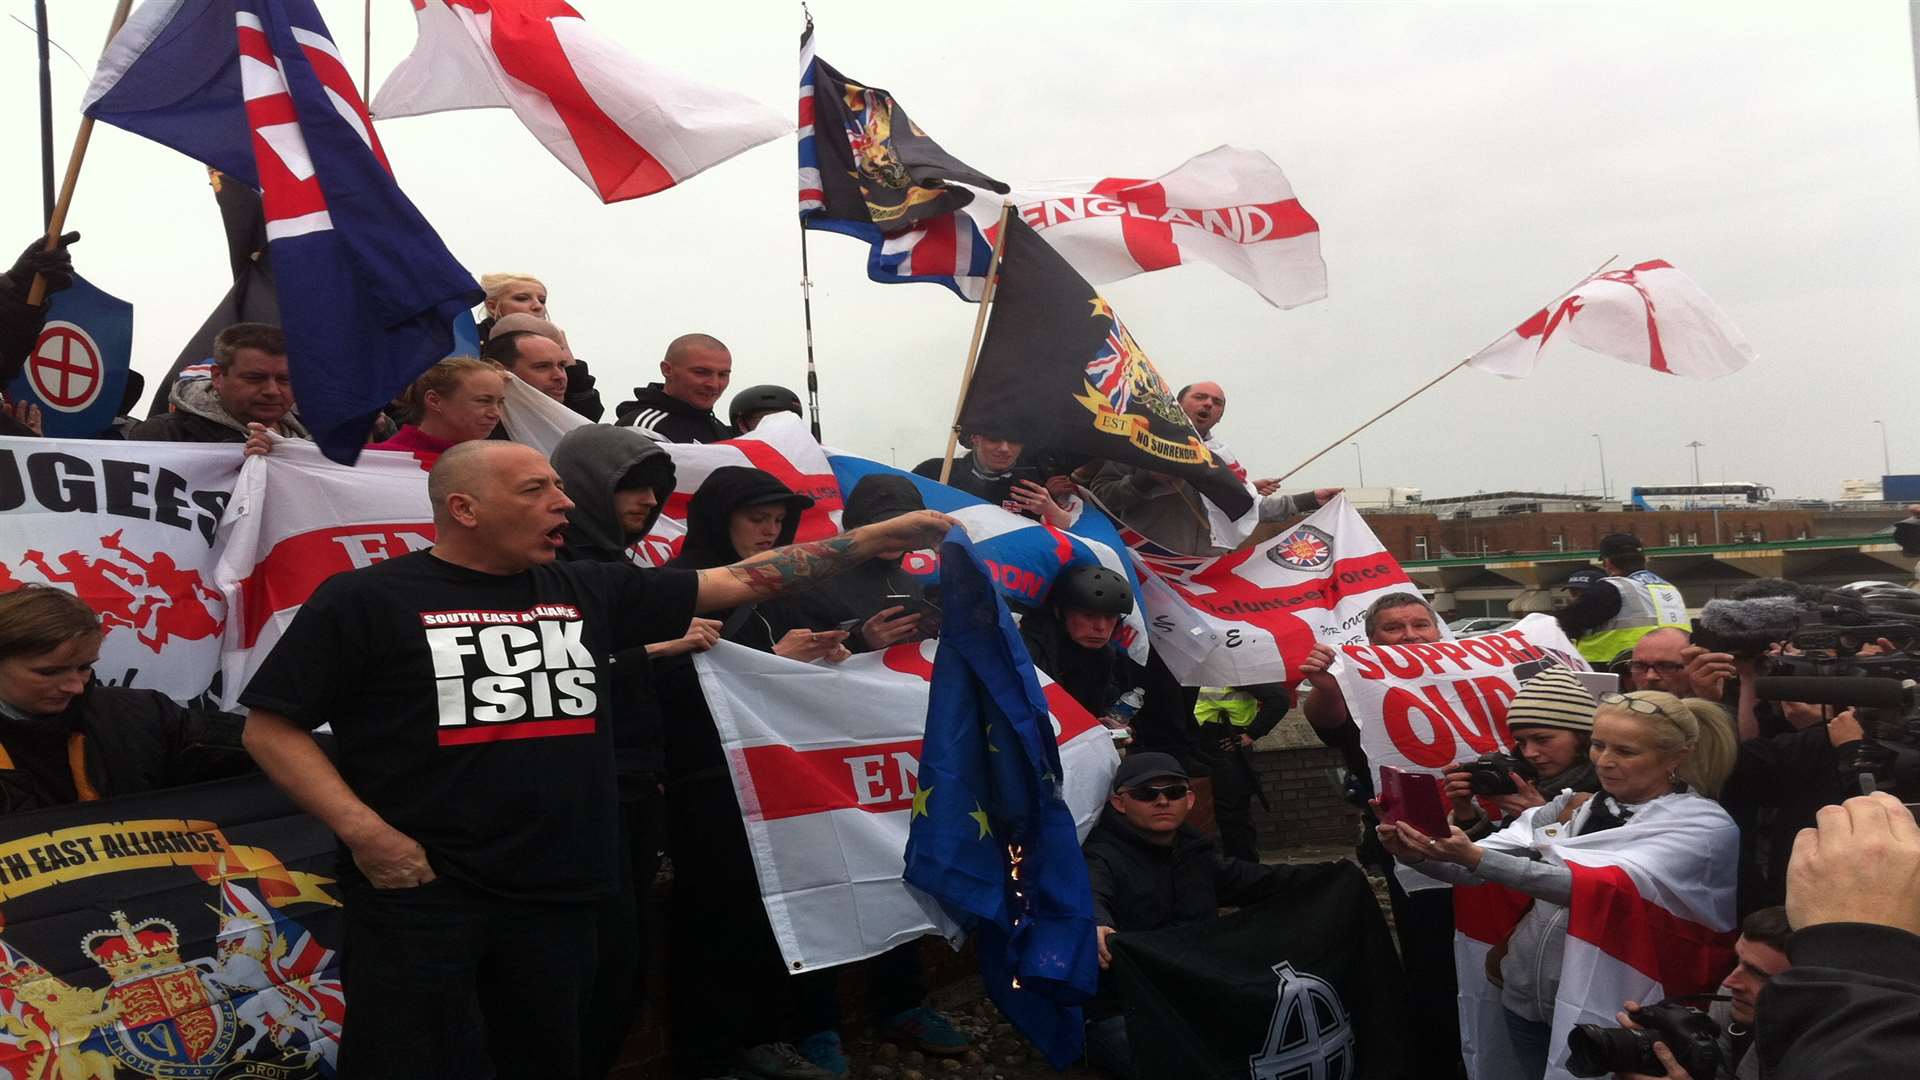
{"points": [[1107, 1047], [1531, 1040]]}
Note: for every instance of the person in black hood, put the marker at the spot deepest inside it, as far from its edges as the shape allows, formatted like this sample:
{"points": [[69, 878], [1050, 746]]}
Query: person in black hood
{"points": [[1071, 639], [65, 738], [879, 602], [679, 408], [726, 968]]}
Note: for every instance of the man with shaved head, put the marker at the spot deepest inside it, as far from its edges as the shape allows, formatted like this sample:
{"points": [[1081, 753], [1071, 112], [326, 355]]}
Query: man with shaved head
{"points": [[679, 408], [473, 788]]}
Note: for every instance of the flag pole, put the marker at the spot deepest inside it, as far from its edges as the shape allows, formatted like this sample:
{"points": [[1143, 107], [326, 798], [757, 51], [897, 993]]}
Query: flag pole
{"points": [[37, 293], [979, 329], [46, 111], [806, 308], [1377, 417], [366, 58]]}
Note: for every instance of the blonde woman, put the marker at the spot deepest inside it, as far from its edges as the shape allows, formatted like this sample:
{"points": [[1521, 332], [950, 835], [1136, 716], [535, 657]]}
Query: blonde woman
{"points": [[526, 296], [509, 294], [1631, 889]]}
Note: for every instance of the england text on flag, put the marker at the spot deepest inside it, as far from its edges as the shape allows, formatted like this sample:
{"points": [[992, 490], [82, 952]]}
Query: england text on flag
{"points": [[1649, 315], [1229, 207], [625, 127]]}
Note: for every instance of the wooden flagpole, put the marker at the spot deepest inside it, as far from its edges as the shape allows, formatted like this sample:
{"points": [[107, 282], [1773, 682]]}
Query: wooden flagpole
{"points": [[979, 329], [1377, 417], [37, 293]]}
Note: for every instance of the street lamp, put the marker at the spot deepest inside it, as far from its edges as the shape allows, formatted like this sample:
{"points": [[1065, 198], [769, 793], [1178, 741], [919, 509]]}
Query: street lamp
{"points": [[1886, 457], [1359, 464], [1695, 446], [1601, 447]]}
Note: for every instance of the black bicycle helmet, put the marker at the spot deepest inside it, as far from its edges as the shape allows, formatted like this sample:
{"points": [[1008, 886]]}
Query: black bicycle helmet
{"points": [[762, 399], [1093, 588]]}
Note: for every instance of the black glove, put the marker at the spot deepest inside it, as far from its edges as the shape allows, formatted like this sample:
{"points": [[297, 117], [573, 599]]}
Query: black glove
{"points": [[581, 397], [55, 265]]}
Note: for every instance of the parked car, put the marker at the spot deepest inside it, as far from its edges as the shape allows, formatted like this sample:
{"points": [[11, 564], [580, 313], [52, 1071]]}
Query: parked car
{"points": [[1480, 624]]}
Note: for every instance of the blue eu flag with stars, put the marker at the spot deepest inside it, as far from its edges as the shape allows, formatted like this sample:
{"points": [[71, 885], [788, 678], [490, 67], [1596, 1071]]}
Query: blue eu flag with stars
{"points": [[992, 838]]}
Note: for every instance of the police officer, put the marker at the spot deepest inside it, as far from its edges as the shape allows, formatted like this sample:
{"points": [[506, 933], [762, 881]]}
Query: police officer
{"points": [[1231, 719], [1624, 606]]}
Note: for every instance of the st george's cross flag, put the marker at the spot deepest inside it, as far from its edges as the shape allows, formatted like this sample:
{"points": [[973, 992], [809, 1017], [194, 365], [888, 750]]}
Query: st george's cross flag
{"points": [[869, 172], [1649, 315], [1651, 917], [1229, 207], [625, 127], [257, 89]]}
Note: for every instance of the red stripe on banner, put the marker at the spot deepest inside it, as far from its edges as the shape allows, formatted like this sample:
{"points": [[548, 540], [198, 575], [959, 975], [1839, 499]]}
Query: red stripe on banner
{"points": [[1488, 913], [806, 110], [525, 44], [335, 77], [1608, 912], [532, 729], [1149, 242], [934, 254], [298, 564], [812, 195], [822, 488], [254, 45]]}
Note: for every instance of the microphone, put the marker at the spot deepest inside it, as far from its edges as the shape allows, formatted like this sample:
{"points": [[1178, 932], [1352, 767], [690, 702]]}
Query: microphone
{"points": [[1835, 690]]}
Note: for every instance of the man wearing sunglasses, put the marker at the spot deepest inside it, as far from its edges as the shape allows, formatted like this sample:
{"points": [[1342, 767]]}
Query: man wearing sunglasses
{"points": [[1150, 870]]}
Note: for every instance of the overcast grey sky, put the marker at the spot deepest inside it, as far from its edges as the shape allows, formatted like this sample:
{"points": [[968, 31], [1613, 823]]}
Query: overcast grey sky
{"points": [[1466, 162]]}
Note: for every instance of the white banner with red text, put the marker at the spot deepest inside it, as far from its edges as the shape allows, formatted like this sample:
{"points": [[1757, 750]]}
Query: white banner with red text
{"points": [[1252, 616], [825, 761], [131, 529]]}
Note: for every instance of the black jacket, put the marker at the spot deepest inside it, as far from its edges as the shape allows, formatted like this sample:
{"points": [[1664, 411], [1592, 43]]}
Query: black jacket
{"points": [[591, 461], [1848, 1008], [1777, 786], [669, 419], [1096, 678], [993, 487], [134, 741]]}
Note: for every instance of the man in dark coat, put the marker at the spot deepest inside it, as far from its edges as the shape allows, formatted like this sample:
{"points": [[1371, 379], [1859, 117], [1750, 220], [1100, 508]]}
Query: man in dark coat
{"points": [[250, 385]]}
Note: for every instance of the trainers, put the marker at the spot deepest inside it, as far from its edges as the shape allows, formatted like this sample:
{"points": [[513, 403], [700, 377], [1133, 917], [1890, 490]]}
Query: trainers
{"points": [[926, 1031], [780, 1061], [822, 1048]]}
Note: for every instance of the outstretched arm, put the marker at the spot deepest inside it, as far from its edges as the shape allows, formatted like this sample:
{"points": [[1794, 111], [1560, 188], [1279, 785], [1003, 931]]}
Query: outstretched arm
{"points": [[782, 570]]}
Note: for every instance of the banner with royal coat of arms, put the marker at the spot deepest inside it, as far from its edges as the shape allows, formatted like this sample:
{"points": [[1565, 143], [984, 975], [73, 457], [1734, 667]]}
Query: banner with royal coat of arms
{"points": [[187, 933], [1253, 615]]}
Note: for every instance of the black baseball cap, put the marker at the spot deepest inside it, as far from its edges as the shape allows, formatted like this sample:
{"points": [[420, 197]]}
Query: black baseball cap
{"points": [[1585, 577], [1136, 768], [1620, 544]]}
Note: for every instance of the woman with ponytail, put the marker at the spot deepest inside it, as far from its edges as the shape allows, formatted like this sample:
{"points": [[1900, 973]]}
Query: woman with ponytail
{"points": [[1594, 900]]}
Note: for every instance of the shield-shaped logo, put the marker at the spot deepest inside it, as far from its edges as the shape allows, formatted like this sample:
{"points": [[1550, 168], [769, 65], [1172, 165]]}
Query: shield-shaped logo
{"points": [[1305, 548]]}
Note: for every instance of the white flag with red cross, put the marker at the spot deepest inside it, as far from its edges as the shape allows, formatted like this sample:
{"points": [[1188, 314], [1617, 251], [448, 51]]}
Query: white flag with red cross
{"points": [[1230, 207], [1649, 315]]}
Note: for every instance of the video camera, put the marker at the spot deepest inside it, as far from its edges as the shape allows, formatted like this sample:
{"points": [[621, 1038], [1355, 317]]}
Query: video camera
{"points": [[1489, 773], [1692, 1036], [1826, 668]]}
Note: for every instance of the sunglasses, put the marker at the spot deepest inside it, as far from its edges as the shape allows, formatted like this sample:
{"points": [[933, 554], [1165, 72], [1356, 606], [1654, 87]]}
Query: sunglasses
{"points": [[1630, 704], [1148, 793]]}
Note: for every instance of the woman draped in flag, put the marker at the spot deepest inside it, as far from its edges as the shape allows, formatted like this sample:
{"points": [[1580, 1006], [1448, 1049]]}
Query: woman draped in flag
{"points": [[1593, 900]]}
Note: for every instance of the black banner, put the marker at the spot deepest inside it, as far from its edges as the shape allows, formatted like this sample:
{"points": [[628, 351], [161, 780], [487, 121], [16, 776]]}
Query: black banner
{"points": [[1058, 369], [191, 933], [1304, 986]]}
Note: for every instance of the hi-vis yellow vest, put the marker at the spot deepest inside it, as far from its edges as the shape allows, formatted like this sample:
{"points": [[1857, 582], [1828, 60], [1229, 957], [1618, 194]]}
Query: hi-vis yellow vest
{"points": [[1646, 603], [1225, 705]]}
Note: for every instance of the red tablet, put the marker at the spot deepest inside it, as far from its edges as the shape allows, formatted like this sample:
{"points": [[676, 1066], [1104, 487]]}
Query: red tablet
{"points": [[1414, 798]]}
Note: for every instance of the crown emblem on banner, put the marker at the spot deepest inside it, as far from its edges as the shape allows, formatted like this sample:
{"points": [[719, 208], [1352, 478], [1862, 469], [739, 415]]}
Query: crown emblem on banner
{"points": [[131, 949]]}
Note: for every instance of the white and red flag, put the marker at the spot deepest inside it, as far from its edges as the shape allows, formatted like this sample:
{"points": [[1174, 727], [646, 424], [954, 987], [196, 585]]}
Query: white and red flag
{"points": [[1652, 916], [1230, 207], [826, 760], [624, 126], [1649, 315], [1251, 616]]}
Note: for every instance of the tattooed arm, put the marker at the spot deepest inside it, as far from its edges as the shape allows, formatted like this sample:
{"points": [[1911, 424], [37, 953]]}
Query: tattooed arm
{"points": [[787, 569]]}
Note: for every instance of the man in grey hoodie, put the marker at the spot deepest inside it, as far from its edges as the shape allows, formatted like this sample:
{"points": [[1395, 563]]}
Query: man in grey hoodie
{"points": [[250, 385]]}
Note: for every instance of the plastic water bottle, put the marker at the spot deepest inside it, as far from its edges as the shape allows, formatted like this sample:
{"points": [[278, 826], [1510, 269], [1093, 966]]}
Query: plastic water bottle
{"points": [[1120, 716]]}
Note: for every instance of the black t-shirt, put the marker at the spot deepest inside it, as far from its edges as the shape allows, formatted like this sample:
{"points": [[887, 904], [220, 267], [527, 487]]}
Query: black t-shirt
{"points": [[473, 710]]}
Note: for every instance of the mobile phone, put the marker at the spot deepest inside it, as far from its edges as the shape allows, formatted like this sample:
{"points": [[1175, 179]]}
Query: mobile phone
{"points": [[850, 625], [1414, 798], [914, 605]]}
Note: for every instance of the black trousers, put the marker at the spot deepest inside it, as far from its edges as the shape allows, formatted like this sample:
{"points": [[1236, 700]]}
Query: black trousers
{"points": [[1232, 794], [417, 962], [1423, 920], [896, 982], [619, 983], [725, 969]]}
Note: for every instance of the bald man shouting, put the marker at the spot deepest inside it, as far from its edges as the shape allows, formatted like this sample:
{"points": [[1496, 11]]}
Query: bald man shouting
{"points": [[468, 691]]}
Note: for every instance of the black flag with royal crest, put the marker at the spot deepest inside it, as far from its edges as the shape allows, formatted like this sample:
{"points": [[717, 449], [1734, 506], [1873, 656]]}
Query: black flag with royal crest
{"points": [[1303, 986], [1058, 369], [875, 166]]}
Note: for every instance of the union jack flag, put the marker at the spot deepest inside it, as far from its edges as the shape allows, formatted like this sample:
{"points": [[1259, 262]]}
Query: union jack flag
{"points": [[1109, 368], [257, 90], [297, 965]]}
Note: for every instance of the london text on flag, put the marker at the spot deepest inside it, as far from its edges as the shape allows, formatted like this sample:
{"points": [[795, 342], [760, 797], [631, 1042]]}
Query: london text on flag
{"points": [[257, 89], [1229, 207], [625, 127], [1649, 315]]}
